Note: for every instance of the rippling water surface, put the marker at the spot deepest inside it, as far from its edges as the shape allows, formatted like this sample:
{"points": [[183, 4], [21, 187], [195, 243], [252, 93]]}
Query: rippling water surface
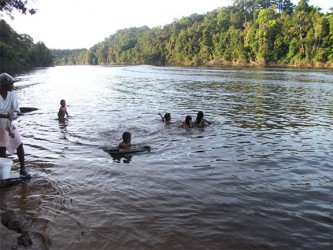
{"points": [[259, 177]]}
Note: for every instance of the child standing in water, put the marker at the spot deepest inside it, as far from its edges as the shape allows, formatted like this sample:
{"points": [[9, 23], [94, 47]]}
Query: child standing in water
{"points": [[126, 143], [62, 111]]}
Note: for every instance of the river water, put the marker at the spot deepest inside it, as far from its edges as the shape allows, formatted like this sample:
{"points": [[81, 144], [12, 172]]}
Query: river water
{"points": [[259, 177]]}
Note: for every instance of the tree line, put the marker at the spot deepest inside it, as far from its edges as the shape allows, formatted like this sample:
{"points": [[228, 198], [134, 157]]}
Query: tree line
{"points": [[250, 32], [259, 32], [19, 52]]}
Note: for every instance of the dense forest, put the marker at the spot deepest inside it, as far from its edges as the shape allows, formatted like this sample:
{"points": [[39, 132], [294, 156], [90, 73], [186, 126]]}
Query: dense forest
{"points": [[18, 52], [250, 32], [261, 32]]}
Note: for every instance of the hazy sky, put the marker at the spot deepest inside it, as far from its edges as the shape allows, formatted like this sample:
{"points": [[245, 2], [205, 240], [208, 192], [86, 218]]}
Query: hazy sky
{"points": [[72, 24]]}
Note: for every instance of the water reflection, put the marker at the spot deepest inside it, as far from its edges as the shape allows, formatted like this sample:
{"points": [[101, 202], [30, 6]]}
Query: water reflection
{"points": [[121, 158], [258, 174]]}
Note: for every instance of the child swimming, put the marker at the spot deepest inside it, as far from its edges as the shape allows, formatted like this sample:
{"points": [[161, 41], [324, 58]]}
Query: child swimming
{"points": [[200, 121], [166, 118], [187, 123], [126, 143]]}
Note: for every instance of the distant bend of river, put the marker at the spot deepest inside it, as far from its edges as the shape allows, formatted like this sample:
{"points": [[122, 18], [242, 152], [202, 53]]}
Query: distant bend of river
{"points": [[258, 177]]}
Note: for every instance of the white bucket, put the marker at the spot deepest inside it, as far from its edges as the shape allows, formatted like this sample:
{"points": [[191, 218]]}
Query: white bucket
{"points": [[5, 168]]}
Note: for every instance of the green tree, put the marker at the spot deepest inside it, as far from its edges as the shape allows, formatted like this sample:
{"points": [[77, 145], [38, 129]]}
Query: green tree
{"points": [[329, 38], [19, 52], [150, 47], [261, 36], [231, 46], [255, 31], [283, 38], [302, 33], [8, 6], [40, 55]]}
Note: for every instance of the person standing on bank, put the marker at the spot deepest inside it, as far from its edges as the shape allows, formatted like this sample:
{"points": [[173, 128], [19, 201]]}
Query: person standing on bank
{"points": [[10, 138]]}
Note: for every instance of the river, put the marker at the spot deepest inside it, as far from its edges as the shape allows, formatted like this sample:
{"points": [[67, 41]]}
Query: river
{"points": [[258, 177]]}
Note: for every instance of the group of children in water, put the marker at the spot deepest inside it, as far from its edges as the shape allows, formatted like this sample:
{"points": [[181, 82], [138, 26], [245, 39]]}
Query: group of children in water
{"points": [[199, 122]]}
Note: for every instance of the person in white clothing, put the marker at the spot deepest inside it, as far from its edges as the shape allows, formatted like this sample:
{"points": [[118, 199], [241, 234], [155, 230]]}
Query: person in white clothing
{"points": [[10, 138]]}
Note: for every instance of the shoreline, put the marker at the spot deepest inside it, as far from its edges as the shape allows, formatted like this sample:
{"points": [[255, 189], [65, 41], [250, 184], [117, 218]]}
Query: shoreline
{"points": [[220, 63]]}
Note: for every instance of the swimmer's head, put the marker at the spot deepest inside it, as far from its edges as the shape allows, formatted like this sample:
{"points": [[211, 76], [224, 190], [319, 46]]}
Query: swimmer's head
{"points": [[188, 119], [126, 136], [200, 114], [167, 116], [63, 102]]}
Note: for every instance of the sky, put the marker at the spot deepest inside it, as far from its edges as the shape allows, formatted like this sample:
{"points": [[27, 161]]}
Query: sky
{"points": [[76, 24]]}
